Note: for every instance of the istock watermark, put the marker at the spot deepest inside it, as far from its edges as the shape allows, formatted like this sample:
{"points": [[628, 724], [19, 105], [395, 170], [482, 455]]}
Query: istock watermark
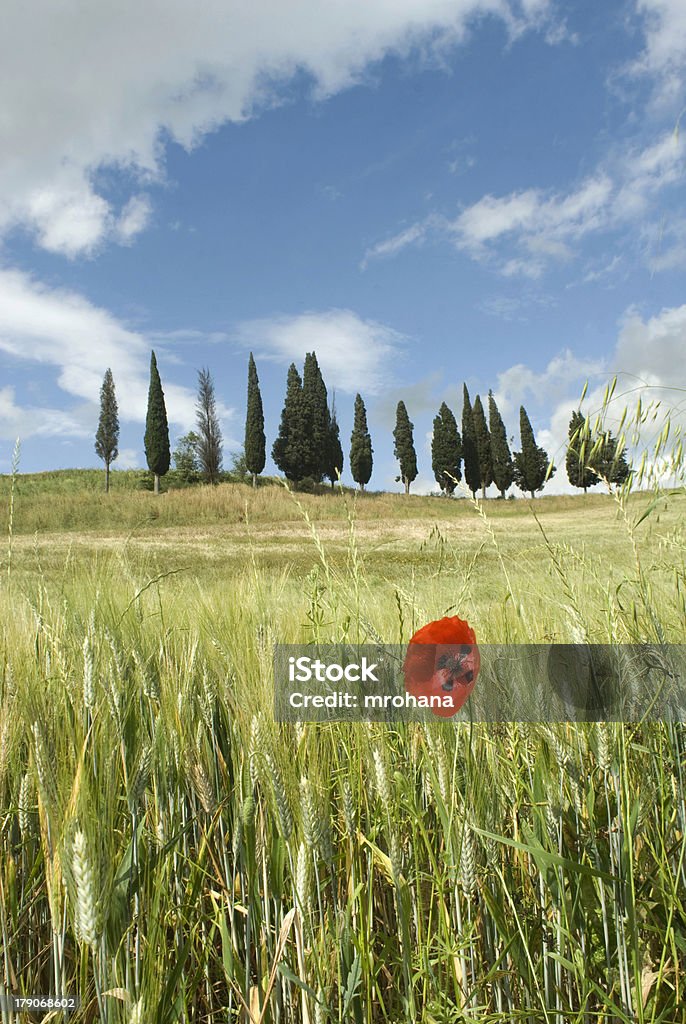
{"points": [[494, 683]]}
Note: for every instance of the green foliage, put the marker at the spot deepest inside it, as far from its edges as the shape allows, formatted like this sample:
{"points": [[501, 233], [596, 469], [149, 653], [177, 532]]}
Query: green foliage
{"points": [[209, 432], [185, 458], [157, 451], [483, 445], [316, 425], [531, 464], [291, 449], [107, 436], [239, 467], [609, 461], [404, 446], [255, 442], [334, 451], [470, 452], [578, 459], [446, 450], [361, 451], [503, 466]]}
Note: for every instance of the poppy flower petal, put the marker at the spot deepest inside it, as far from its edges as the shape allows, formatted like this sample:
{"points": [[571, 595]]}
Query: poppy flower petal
{"points": [[443, 661]]}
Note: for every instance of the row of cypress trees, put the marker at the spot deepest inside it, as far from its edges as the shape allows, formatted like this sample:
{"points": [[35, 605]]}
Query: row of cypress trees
{"points": [[481, 448], [308, 443]]}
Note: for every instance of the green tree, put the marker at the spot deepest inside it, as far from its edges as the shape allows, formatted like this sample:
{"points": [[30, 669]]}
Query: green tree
{"points": [[239, 469], [334, 451], [610, 460], [107, 436], [361, 450], [316, 432], [157, 451], [578, 458], [531, 463], [503, 467], [255, 441], [470, 453], [446, 450], [404, 446], [210, 443], [289, 450], [185, 458], [483, 445]]}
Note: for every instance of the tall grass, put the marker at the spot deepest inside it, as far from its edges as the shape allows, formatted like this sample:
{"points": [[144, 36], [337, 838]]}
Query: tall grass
{"points": [[171, 854]]}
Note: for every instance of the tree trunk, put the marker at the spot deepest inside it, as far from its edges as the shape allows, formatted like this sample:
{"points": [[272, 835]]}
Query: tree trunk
{"points": [[332, 485], [107, 477], [585, 490], [502, 495], [362, 487], [532, 495], [156, 487], [483, 493], [407, 486], [254, 479]]}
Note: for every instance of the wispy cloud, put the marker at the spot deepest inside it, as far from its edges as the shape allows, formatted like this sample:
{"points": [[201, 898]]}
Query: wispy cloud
{"points": [[664, 54], [520, 234], [395, 244]]}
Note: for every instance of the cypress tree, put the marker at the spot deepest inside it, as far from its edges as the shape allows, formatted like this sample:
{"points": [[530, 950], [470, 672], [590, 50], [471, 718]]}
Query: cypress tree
{"points": [[578, 459], [156, 440], [470, 454], [289, 450], [255, 441], [503, 467], [361, 450], [107, 436], [209, 432], [446, 450], [404, 446], [531, 464], [483, 445], [334, 451], [316, 413], [610, 461]]}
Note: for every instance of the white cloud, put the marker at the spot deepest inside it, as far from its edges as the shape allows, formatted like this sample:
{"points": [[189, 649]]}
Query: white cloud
{"points": [[542, 224], [17, 421], [519, 384], [61, 329], [665, 244], [652, 350], [107, 84], [354, 354], [664, 55], [129, 458], [67, 221], [134, 218], [520, 234], [644, 360], [392, 246]]}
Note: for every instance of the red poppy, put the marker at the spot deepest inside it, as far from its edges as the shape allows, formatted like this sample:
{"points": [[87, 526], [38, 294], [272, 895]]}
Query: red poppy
{"points": [[442, 661]]}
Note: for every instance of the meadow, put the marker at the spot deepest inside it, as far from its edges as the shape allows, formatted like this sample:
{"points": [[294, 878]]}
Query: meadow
{"points": [[170, 854]]}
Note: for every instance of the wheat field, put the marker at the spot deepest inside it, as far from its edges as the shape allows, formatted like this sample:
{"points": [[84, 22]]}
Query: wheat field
{"points": [[170, 854]]}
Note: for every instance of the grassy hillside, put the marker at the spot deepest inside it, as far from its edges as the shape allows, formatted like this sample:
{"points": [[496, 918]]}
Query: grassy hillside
{"points": [[75, 500]]}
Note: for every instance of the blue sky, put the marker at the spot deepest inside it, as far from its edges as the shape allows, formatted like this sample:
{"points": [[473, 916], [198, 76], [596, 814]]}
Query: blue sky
{"points": [[424, 192]]}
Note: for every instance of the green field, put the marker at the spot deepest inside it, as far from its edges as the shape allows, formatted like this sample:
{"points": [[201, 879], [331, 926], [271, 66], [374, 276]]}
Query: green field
{"points": [[158, 828]]}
